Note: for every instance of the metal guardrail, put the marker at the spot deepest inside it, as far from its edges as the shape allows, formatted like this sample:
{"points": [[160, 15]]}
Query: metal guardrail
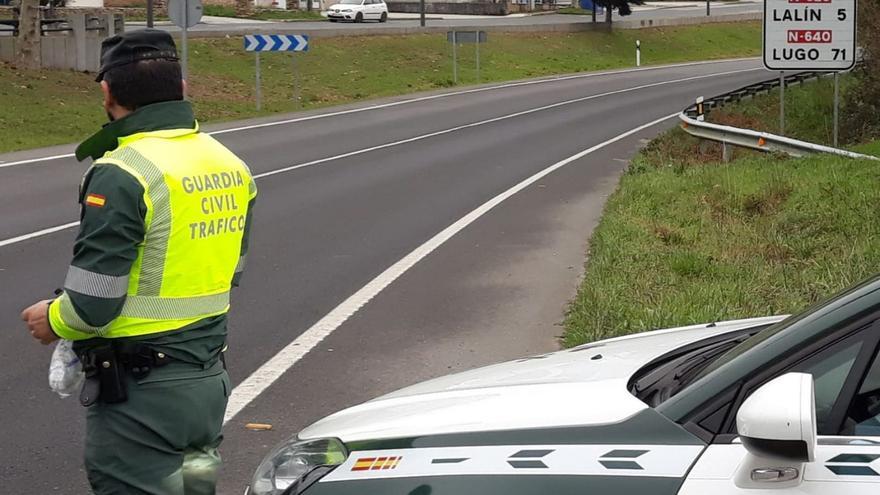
{"points": [[747, 138]]}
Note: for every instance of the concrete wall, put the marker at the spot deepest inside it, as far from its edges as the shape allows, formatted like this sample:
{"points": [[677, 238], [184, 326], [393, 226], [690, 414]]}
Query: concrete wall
{"points": [[78, 49]]}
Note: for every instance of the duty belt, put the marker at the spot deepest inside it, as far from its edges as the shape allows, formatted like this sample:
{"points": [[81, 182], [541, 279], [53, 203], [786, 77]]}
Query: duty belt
{"points": [[105, 365]]}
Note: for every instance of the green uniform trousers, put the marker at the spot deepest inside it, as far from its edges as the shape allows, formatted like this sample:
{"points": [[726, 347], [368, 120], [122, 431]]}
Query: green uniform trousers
{"points": [[164, 439]]}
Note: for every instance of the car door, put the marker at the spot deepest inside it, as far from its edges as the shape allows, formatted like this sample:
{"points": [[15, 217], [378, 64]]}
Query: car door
{"points": [[846, 378], [370, 9]]}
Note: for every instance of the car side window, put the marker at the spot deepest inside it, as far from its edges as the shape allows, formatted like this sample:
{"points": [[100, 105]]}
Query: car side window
{"points": [[830, 369], [863, 415]]}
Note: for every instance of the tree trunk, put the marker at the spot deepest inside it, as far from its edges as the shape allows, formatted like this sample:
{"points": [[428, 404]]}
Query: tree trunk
{"points": [[309, 5], [28, 43], [242, 8], [608, 11], [594, 11]]}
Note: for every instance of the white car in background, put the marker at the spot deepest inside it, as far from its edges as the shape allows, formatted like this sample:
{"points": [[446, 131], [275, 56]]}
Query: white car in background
{"points": [[358, 11]]}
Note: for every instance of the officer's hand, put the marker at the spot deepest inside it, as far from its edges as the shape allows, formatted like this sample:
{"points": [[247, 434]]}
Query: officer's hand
{"points": [[37, 319]]}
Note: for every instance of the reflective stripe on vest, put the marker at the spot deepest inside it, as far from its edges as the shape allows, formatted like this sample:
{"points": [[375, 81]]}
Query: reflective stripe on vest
{"points": [[159, 231]]}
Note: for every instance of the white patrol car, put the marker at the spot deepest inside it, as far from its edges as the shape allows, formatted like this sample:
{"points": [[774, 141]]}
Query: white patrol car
{"points": [[768, 405]]}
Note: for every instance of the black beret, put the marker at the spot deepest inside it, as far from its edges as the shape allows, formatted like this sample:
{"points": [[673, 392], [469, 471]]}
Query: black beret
{"points": [[133, 46]]}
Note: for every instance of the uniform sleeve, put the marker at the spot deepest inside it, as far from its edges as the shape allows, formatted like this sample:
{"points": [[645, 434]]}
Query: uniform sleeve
{"points": [[245, 240], [111, 229]]}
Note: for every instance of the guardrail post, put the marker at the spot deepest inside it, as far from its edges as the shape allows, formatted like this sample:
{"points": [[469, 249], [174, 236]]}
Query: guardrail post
{"points": [[78, 25], [725, 152]]}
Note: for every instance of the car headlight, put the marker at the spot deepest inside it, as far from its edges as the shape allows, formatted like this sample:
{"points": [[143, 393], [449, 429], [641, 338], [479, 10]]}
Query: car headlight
{"points": [[293, 460], [346, 10]]}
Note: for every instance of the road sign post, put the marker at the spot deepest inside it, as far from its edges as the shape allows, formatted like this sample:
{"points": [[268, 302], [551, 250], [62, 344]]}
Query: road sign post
{"points": [[782, 103], [836, 109], [802, 35], [478, 59], [149, 13], [184, 14], [259, 89], [456, 37], [277, 43], [454, 58]]}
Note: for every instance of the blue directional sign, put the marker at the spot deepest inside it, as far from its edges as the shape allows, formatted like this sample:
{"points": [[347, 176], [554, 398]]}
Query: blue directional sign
{"points": [[276, 43]]}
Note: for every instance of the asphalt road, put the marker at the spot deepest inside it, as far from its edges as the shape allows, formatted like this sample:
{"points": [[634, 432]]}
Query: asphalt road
{"points": [[385, 180]]}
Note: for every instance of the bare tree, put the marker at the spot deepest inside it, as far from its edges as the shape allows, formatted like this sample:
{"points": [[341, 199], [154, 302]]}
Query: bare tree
{"points": [[27, 45]]}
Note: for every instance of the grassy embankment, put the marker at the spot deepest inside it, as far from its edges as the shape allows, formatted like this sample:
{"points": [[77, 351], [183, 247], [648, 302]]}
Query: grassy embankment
{"points": [[686, 239], [43, 108]]}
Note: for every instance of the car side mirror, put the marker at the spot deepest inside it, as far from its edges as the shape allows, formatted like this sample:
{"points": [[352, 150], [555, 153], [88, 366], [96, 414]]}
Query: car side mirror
{"points": [[777, 426]]}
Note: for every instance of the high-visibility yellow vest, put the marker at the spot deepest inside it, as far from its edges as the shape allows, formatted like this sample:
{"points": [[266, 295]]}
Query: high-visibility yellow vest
{"points": [[196, 193]]}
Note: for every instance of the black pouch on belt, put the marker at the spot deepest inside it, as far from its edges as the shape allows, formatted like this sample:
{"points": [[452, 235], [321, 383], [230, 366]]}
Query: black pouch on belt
{"points": [[105, 378]]}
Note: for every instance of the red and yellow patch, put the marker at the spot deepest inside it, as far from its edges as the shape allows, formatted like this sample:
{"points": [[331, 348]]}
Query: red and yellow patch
{"points": [[376, 463], [96, 200]]}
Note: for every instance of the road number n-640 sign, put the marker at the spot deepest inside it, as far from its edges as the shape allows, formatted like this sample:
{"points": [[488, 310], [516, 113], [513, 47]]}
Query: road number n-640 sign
{"points": [[810, 34]]}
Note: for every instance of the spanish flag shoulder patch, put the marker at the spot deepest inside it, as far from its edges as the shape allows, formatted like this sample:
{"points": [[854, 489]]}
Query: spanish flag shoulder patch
{"points": [[95, 200]]}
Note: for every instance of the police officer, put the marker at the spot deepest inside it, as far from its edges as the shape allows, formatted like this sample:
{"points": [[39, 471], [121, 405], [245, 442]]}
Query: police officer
{"points": [[165, 214]]}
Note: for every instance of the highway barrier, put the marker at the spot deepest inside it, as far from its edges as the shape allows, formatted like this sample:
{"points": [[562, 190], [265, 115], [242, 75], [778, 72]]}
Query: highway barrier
{"points": [[693, 122]]}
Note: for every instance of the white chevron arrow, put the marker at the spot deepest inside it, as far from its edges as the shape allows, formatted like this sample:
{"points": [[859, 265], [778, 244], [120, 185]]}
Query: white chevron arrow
{"points": [[301, 42]]}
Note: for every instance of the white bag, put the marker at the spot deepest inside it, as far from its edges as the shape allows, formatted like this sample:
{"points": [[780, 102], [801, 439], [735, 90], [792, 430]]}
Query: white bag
{"points": [[65, 370]]}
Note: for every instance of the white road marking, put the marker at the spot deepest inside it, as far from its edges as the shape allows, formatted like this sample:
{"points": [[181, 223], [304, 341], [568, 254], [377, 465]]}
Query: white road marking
{"points": [[38, 233], [271, 370], [417, 100], [420, 138]]}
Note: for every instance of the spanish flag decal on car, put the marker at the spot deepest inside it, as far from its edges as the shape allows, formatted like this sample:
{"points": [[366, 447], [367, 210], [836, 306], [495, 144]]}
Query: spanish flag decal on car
{"points": [[95, 200], [376, 463]]}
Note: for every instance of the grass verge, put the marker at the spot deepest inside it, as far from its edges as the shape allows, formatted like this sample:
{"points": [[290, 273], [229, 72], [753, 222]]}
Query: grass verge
{"points": [[48, 107], [686, 240]]}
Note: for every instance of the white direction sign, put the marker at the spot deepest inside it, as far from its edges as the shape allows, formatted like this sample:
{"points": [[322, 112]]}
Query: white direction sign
{"points": [[810, 34]]}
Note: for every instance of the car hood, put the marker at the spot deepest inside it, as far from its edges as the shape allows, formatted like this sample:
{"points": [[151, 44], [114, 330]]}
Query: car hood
{"points": [[582, 386], [341, 6]]}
